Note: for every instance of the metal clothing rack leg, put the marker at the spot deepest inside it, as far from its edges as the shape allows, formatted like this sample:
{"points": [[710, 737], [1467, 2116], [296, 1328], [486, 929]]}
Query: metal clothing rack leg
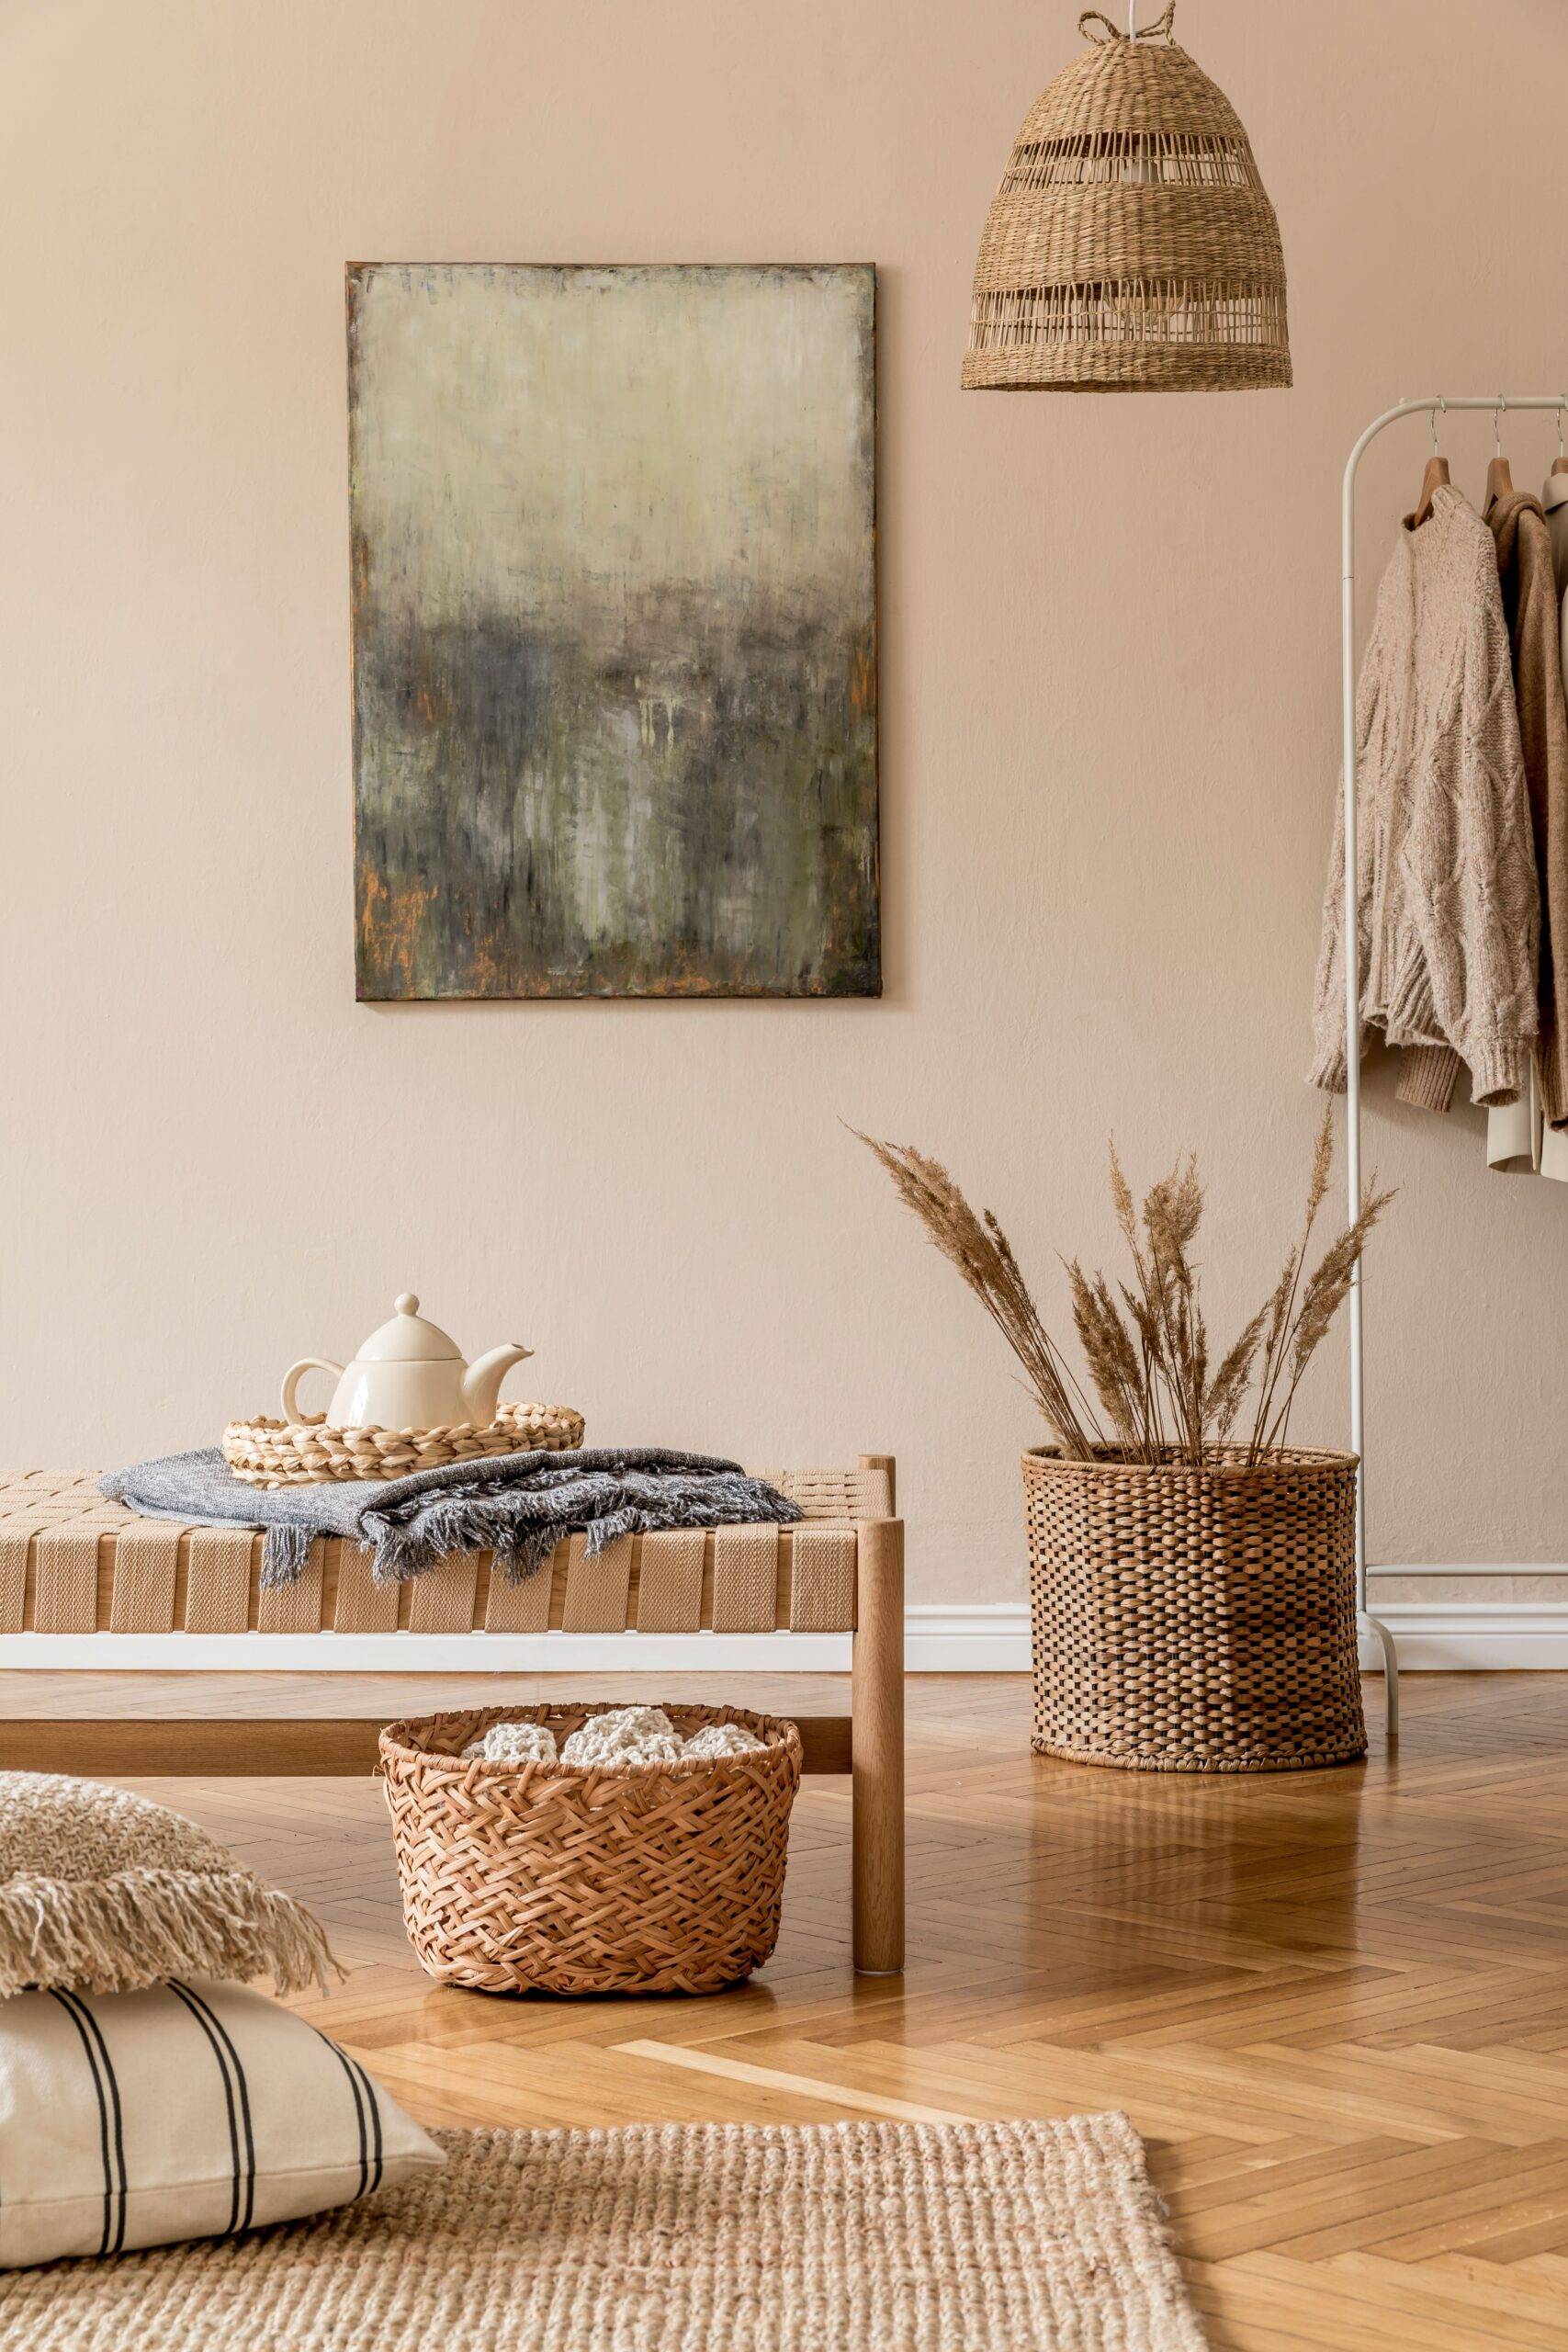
{"points": [[1498, 402]]}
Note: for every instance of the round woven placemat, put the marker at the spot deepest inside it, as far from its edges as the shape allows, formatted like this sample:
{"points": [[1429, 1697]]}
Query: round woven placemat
{"points": [[309, 1453]]}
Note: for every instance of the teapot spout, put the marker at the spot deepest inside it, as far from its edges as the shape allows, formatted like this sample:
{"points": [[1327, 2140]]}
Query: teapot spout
{"points": [[481, 1382]]}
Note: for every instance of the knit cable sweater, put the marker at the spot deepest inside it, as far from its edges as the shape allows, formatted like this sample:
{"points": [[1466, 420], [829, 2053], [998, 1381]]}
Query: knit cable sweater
{"points": [[1530, 608], [1448, 903]]}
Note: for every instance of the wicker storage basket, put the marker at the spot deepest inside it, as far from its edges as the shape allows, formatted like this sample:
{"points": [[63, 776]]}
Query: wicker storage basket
{"points": [[531, 1878], [1195, 1620]]}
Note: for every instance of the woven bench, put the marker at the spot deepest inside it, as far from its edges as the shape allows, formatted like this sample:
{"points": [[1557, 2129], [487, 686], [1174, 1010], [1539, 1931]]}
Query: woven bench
{"points": [[71, 1562]]}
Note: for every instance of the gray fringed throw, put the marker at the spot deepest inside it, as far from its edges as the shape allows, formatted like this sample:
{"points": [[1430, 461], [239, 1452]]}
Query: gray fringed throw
{"points": [[518, 1506]]}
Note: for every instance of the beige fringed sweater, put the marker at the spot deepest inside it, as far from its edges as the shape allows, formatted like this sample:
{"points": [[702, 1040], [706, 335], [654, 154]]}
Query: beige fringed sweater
{"points": [[1530, 608], [1449, 912]]}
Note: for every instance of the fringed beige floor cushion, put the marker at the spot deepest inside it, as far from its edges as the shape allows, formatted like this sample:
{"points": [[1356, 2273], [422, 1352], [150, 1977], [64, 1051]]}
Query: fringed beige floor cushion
{"points": [[102, 1891], [71, 1562], [860, 2237]]}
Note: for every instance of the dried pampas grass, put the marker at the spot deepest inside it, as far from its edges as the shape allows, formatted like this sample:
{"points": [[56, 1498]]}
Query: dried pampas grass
{"points": [[1145, 1344]]}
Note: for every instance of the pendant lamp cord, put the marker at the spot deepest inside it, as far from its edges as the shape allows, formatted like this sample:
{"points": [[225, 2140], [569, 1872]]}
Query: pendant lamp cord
{"points": [[1159, 30]]}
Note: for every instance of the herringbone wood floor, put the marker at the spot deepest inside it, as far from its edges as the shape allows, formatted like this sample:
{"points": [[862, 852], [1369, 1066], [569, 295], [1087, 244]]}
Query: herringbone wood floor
{"points": [[1335, 2003]]}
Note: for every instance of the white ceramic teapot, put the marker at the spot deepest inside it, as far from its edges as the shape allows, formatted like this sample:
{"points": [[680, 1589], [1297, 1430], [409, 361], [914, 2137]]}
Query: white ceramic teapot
{"points": [[408, 1376]]}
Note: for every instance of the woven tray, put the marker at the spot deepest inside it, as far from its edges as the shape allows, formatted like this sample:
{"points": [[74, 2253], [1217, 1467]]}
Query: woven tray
{"points": [[308, 1453]]}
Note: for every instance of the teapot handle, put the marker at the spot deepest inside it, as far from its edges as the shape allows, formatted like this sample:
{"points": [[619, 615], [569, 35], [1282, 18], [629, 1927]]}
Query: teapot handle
{"points": [[291, 1379]]}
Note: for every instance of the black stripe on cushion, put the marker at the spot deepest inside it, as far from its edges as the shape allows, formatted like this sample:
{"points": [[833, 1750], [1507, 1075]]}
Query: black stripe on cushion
{"points": [[111, 2121], [348, 2068], [247, 2137], [376, 2154], [204, 2018]]}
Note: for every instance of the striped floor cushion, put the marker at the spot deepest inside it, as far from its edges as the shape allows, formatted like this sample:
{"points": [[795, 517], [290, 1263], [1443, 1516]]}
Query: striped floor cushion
{"points": [[193, 2110]]}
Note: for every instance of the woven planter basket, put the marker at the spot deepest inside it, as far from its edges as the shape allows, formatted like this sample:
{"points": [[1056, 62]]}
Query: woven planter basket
{"points": [[668, 1878], [1131, 245], [1195, 1620], [309, 1453]]}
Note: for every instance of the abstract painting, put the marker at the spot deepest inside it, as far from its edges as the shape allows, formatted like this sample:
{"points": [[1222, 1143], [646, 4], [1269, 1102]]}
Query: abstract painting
{"points": [[614, 630]]}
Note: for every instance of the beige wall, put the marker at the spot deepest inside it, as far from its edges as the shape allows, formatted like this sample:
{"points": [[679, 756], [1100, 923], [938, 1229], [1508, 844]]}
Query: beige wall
{"points": [[1110, 697]]}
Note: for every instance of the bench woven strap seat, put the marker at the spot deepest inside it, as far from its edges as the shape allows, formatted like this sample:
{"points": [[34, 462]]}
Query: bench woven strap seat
{"points": [[71, 1562]]}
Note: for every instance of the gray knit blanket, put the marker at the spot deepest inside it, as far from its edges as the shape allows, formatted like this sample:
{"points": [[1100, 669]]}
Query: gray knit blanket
{"points": [[518, 1506]]}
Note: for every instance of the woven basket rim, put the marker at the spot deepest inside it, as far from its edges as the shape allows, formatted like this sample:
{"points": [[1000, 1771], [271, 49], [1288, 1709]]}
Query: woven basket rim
{"points": [[1048, 367], [507, 1418], [401, 1741], [1109, 1460]]}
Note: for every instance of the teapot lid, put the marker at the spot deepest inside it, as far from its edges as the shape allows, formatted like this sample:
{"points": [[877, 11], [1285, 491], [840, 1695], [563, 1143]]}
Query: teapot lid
{"points": [[408, 1339]]}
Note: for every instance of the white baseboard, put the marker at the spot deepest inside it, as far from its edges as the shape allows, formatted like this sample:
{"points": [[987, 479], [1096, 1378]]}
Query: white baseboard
{"points": [[991, 1639], [1432, 1637], [1473, 1636], [435, 1652], [1473, 1568]]}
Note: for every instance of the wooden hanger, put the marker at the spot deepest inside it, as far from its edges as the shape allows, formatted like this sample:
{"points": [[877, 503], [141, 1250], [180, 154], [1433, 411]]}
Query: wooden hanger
{"points": [[1559, 463], [1434, 478], [1499, 481]]}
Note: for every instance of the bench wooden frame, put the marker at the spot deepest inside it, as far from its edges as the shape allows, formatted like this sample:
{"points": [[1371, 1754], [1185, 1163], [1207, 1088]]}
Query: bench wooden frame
{"points": [[71, 1563]]}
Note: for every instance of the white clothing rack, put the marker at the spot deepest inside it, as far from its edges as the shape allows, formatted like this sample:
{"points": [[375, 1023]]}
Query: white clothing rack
{"points": [[1499, 404]]}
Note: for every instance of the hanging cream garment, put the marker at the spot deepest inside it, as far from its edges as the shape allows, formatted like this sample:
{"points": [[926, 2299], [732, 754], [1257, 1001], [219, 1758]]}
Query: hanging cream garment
{"points": [[1554, 499], [1518, 1132], [1516, 1135], [1446, 904]]}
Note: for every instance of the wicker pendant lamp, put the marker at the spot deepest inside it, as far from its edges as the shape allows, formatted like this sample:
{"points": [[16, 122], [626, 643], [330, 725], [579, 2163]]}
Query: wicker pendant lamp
{"points": [[1131, 246]]}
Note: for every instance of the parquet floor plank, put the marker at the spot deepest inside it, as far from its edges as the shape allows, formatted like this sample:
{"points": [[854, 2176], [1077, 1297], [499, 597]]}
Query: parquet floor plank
{"points": [[1335, 2003], [1348, 2197], [1475, 2179], [1304, 2308]]}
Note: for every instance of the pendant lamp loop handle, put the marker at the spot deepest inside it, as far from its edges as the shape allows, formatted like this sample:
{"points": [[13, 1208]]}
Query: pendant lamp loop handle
{"points": [[1159, 30]]}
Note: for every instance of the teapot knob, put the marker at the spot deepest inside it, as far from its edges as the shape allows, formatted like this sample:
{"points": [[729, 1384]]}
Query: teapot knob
{"points": [[406, 1303]]}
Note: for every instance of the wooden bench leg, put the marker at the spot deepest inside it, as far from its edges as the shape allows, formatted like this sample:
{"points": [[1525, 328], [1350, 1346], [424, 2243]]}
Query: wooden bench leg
{"points": [[878, 1750]]}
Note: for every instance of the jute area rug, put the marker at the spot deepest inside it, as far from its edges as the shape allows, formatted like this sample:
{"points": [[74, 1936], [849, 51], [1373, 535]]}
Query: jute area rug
{"points": [[848, 2237]]}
